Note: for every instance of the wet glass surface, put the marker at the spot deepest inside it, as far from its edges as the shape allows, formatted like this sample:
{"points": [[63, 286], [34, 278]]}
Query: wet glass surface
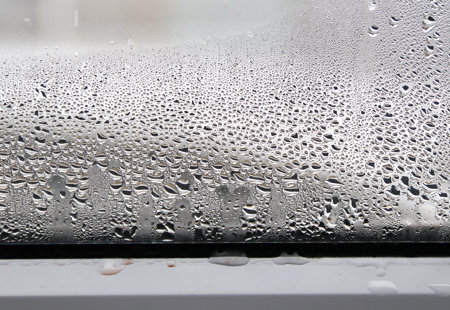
{"points": [[224, 121]]}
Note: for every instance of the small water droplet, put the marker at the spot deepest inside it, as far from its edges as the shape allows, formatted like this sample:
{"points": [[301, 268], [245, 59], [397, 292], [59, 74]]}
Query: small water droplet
{"points": [[373, 30]]}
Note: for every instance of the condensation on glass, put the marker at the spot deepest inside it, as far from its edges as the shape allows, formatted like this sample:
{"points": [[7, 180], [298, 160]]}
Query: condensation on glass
{"points": [[224, 120]]}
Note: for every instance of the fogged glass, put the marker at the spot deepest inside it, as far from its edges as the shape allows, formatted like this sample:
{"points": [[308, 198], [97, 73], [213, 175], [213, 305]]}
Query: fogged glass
{"points": [[224, 120]]}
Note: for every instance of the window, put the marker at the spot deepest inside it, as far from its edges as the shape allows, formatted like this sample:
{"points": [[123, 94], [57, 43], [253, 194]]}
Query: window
{"points": [[224, 121]]}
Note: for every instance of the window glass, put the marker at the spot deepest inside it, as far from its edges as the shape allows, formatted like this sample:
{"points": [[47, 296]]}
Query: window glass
{"points": [[224, 120]]}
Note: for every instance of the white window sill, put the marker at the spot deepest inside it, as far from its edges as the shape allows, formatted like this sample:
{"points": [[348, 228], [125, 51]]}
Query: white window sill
{"points": [[337, 283]]}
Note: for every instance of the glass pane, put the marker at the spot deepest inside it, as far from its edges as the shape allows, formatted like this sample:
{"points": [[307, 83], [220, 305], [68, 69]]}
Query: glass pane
{"points": [[224, 120]]}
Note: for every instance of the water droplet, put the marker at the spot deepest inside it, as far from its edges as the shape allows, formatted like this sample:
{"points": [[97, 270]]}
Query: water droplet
{"points": [[373, 30]]}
